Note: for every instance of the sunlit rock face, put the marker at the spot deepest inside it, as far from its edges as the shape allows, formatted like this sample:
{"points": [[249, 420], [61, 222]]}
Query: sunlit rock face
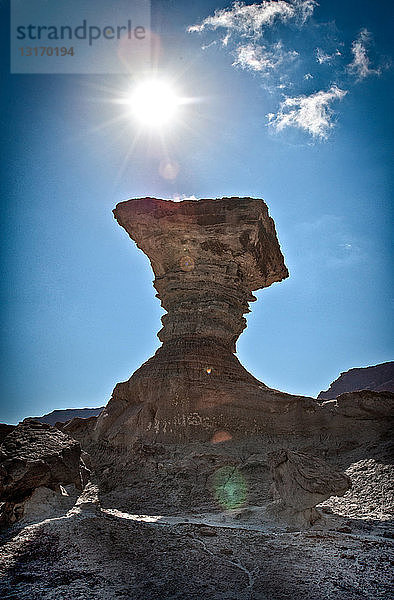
{"points": [[208, 256]]}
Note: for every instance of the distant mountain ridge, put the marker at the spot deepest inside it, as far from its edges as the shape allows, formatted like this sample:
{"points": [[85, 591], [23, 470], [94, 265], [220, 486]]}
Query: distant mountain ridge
{"points": [[61, 416], [378, 378]]}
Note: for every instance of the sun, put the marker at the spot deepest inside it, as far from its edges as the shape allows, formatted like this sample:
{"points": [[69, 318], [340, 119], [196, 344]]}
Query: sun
{"points": [[154, 103]]}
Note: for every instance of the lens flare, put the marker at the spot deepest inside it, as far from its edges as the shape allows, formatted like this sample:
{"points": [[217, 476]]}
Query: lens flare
{"points": [[169, 169], [229, 488], [186, 263], [221, 436]]}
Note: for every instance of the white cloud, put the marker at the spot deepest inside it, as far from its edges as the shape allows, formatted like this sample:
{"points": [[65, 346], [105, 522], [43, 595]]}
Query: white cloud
{"points": [[305, 8], [180, 198], [242, 29], [311, 113], [322, 57], [258, 58], [206, 46], [255, 58], [360, 65], [250, 19]]}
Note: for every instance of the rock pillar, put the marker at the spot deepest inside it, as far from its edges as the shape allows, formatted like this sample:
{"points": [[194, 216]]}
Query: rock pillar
{"points": [[208, 256]]}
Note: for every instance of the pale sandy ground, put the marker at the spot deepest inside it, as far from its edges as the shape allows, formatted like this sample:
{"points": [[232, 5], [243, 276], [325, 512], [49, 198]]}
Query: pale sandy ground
{"points": [[88, 553], [70, 548]]}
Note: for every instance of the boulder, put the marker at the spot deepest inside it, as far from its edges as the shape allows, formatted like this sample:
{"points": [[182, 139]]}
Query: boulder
{"points": [[301, 482], [35, 454], [80, 429]]}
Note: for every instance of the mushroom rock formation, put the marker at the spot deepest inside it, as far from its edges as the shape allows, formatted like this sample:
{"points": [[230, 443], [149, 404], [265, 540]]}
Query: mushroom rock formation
{"points": [[208, 256]]}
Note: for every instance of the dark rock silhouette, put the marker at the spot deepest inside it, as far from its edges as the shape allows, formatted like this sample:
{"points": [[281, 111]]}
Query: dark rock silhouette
{"points": [[64, 415], [208, 256], [33, 455], [377, 378], [5, 430]]}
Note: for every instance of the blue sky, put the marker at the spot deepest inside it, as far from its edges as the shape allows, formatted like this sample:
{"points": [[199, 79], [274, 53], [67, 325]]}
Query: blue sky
{"points": [[295, 108]]}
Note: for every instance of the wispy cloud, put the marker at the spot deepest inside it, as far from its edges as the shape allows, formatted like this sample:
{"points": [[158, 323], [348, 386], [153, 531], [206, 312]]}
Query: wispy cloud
{"points": [[250, 33], [251, 19], [312, 113], [360, 65], [322, 57], [258, 58], [329, 240]]}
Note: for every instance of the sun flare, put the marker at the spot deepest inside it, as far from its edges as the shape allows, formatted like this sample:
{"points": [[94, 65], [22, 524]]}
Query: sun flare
{"points": [[154, 103]]}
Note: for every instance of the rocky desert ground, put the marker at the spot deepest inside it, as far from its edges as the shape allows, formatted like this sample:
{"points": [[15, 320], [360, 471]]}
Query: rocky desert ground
{"points": [[197, 481]]}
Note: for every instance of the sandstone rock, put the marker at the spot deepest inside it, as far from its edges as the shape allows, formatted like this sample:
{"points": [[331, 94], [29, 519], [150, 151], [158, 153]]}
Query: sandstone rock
{"points": [[364, 404], [45, 503], [208, 256], [301, 482], [88, 501], [5, 430], [379, 378], [79, 429], [34, 455]]}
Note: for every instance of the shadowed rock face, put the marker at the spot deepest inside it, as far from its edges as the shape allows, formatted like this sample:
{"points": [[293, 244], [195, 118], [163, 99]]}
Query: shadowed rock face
{"points": [[208, 256], [32, 455], [301, 482], [377, 378], [36, 454]]}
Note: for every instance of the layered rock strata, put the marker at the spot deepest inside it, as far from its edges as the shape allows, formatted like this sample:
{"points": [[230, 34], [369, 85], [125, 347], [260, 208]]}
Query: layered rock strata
{"points": [[208, 257], [301, 482]]}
